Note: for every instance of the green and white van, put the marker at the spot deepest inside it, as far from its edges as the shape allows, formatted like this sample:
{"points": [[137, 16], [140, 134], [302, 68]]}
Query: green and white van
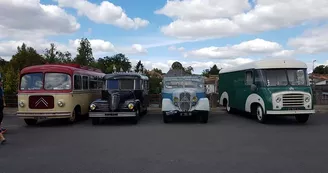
{"points": [[267, 87]]}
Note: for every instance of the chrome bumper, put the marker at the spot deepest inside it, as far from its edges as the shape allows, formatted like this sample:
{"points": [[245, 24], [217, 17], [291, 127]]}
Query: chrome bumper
{"points": [[111, 114], [290, 112], [50, 115]]}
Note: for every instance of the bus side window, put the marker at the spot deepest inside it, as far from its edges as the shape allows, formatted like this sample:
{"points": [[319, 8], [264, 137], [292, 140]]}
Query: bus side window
{"points": [[249, 78], [92, 82], [85, 82], [77, 82]]}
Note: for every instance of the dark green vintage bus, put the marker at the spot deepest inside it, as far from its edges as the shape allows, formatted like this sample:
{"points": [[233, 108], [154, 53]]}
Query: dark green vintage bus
{"points": [[267, 87]]}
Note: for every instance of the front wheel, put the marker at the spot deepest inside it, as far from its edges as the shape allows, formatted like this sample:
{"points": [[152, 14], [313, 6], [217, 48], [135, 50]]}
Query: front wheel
{"points": [[302, 118], [165, 118], [203, 117], [137, 117], [260, 115], [30, 122]]}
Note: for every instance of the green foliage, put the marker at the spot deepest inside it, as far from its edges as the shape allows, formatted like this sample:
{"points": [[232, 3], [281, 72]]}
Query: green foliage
{"points": [[321, 69], [26, 56], [84, 53], [212, 71], [10, 80], [119, 61], [159, 71], [53, 55], [139, 67]]}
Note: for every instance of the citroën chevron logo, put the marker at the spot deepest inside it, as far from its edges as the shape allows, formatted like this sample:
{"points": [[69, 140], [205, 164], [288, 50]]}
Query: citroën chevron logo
{"points": [[41, 100]]}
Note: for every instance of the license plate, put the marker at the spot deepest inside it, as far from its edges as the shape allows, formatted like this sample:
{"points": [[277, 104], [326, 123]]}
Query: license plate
{"points": [[111, 115], [185, 114]]}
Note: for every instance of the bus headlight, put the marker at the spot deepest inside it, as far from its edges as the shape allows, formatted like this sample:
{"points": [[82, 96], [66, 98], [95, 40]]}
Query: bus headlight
{"points": [[130, 105], [194, 99], [307, 99], [21, 104], [175, 99], [92, 106], [60, 103], [278, 99]]}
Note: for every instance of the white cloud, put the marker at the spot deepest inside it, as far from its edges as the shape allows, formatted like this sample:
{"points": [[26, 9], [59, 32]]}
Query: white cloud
{"points": [[266, 15], [198, 66], [173, 48], [203, 9], [99, 47], [312, 41], [106, 13], [256, 46], [284, 53], [30, 19]]}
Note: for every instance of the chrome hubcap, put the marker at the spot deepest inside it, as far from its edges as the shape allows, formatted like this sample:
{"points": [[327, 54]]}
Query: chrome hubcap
{"points": [[259, 113]]}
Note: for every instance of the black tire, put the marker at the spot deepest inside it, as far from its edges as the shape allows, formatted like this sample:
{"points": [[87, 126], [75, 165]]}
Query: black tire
{"points": [[260, 114], [95, 121], [203, 117], [31, 122], [165, 118], [302, 118], [75, 114], [135, 119]]}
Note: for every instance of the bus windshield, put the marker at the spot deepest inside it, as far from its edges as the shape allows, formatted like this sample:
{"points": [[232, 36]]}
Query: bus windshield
{"points": [[123, 84], [57, 81], [31, 81], [183, 84], [52, 81], [281, 77]]}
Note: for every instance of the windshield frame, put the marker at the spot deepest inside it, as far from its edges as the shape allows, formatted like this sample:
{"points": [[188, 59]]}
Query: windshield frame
{"points": [[70, 78], [263, 77], [199, 84]]}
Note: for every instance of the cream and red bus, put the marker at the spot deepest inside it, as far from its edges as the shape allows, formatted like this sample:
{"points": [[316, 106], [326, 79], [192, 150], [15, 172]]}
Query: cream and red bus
{"points": [[57, 91]]}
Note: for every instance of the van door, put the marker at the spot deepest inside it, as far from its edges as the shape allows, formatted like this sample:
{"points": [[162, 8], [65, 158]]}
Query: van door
{"points": [[244, 90]]}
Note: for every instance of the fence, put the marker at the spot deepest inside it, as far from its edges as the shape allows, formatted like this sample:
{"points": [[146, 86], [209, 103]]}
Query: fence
{"points": [[155, 99], [320, 93]]}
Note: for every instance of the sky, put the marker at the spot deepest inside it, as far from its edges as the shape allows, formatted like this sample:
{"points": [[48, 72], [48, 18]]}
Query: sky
{"points": [[198, 33]]}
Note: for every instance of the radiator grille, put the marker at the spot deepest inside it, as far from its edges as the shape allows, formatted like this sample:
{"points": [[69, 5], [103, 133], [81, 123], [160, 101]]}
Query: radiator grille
{"points": [[185, 101], [293, 100]]}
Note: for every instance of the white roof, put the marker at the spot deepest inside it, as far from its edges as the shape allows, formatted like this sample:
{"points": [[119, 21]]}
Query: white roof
{"points": [[267, 64]]}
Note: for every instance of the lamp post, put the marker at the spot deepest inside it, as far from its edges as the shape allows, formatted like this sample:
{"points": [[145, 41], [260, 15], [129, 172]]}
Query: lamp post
{"points": [[313, 83]]}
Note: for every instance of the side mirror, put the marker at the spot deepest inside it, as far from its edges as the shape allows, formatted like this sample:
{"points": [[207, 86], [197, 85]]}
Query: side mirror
{"points": [[253, 88]]}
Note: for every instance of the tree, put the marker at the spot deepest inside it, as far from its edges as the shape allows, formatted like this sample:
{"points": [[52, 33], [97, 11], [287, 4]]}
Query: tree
{"points": [[24, 57], [189, 70], [139, 67], [212, 71], [119, 61], [53, 55], [321, 69], [159, 71], [11, 78], [65, 57], [84, 53]]}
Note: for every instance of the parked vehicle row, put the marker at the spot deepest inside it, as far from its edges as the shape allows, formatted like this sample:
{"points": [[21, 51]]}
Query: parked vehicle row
{"points": [[263, 88]]}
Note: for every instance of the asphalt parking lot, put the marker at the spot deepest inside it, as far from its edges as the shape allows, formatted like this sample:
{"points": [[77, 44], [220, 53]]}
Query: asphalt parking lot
{"points": [[227, 143]]}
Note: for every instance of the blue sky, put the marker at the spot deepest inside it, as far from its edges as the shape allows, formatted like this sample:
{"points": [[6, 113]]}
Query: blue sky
{"points": [[194, 32]]}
